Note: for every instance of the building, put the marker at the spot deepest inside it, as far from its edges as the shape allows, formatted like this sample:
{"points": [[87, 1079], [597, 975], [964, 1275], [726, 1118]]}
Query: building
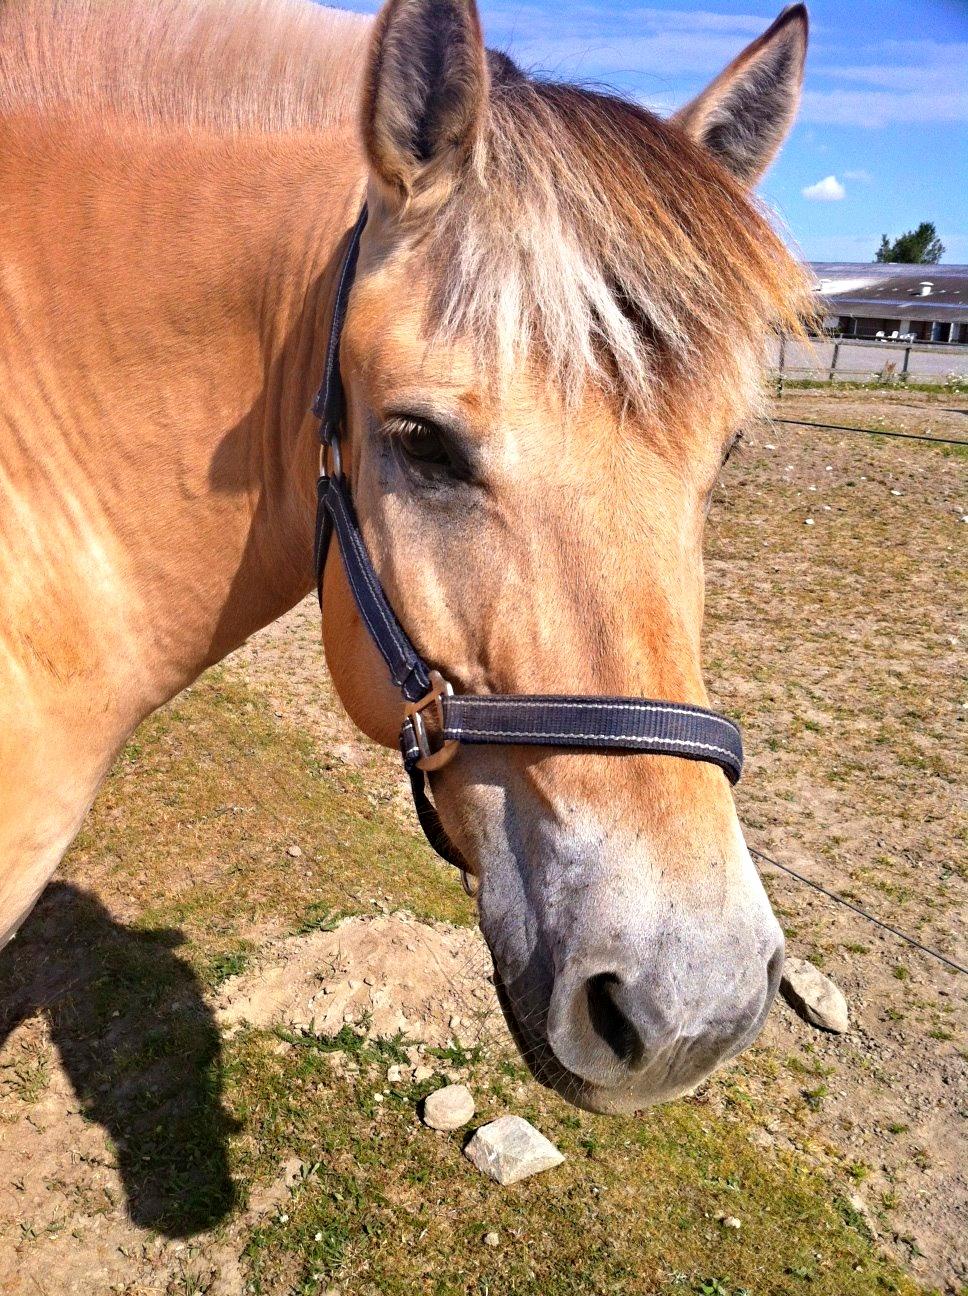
{"points": [[900, 303]]}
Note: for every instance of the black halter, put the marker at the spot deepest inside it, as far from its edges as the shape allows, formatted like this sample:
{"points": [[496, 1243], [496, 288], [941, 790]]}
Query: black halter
{"points": [[605, 723]]}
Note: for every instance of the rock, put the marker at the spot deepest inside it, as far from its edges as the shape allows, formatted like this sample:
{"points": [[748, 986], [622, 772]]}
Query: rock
{"points": [[422, 1074], [509, 1149], [394, 1074], [863, 1210], [814, 996], [448, 1108], [491, 1239], [294, 852]]}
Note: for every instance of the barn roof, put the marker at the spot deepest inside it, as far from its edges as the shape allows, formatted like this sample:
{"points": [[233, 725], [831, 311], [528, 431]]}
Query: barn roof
{"points": [[892, 290]]}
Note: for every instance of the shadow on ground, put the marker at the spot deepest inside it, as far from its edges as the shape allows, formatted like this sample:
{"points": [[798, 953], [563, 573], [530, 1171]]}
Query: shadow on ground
{"points": [[139, 1045]]}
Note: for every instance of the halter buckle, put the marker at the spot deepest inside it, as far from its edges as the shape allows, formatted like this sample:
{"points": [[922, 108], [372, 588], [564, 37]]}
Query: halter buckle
{"points": [[429, 758]]}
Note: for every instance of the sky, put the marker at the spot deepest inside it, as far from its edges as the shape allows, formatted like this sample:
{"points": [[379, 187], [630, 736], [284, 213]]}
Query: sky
{"points": [[881, 142]]}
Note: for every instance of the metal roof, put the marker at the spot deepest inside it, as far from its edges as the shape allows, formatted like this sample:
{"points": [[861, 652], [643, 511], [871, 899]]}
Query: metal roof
{"points": [[893, 291]]}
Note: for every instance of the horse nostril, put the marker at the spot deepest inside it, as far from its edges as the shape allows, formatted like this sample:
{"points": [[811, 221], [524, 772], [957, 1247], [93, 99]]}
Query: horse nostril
{"points": [[610, 1022]]}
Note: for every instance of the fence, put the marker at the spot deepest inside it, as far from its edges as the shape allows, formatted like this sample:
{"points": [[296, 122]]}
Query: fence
{"points": [[858, 360]]}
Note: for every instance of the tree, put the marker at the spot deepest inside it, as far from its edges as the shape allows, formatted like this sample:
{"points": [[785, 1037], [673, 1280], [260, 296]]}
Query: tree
{"points": [[919, 246]]}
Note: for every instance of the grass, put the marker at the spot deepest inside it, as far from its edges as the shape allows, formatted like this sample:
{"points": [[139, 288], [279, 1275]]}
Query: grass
{"points": [[949, 386], [191, 835], [391, 1207]]}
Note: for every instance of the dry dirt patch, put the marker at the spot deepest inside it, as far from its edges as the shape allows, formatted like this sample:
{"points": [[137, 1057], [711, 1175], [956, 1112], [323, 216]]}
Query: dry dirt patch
{"points": [[386, 975]]}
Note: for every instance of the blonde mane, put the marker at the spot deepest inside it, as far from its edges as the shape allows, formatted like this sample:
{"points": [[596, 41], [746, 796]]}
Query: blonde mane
{"points": [[217, 65], [598, 235]]}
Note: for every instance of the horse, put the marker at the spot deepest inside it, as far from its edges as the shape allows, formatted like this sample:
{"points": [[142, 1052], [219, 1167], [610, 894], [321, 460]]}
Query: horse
{"points": [[555, 335]]}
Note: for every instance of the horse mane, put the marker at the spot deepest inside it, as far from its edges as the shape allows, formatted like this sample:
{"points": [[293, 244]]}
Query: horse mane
{"points": [[214, 65], [599, 235]]}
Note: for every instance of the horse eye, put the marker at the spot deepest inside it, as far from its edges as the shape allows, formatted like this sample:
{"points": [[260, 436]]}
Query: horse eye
{"points": [[422, 443]]}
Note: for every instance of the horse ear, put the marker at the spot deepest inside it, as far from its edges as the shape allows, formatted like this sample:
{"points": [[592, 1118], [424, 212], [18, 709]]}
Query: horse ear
{"points": [[425, 92], [743, 117]]}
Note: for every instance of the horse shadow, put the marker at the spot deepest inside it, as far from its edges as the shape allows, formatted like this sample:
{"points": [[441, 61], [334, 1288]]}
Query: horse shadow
{"points": [[140, 1046]]}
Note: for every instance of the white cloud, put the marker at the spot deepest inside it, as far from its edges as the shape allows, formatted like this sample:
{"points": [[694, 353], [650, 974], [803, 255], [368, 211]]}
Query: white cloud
{"points": [[872, 108], [829, 189]]}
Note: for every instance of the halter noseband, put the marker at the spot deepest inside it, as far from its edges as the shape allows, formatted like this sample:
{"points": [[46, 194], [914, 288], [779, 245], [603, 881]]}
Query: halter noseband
{"points": [[603, 723]]}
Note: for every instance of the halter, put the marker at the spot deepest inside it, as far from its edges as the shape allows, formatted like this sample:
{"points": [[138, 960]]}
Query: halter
{"points": [[602, 723]]}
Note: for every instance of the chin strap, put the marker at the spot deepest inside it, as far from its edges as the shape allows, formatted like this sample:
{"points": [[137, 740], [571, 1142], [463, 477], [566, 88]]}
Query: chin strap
{"points": [[563, 721]]}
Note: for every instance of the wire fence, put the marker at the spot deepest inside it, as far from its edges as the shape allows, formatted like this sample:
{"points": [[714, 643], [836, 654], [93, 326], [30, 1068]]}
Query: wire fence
{"points": [[848, 904], [878, 432]]}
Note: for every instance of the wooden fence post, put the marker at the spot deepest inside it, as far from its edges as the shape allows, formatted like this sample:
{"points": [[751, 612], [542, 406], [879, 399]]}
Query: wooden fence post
{"points": [[779, 376], [907, 361], [833, 362]]}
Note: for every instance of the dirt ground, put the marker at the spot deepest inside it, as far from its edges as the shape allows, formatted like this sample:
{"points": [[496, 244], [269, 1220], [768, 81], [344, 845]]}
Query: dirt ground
{"points": [[836, 599]]}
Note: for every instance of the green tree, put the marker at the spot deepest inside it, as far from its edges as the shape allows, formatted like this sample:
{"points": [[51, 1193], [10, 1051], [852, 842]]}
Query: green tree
{"points": [[919, 246]]}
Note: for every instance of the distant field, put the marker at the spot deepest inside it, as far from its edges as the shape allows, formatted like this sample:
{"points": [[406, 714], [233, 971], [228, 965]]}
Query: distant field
{"points": [[148, 1146]]}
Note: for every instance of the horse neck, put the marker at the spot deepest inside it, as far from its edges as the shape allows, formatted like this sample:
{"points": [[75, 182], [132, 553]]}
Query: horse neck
{"points": [[172, 302]]}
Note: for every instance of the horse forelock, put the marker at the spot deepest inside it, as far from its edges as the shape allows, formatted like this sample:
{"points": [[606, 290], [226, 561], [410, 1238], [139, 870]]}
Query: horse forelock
{"points": [[596, 236]]}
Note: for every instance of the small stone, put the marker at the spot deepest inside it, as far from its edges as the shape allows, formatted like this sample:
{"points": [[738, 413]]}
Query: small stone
{"points": [[814, 997], [455, 1023], [509, 1149], [394, 1074], [448, 1108], [491, 1239], [863, 1210], [294, 852], [422, 1074], [731, 1222]]}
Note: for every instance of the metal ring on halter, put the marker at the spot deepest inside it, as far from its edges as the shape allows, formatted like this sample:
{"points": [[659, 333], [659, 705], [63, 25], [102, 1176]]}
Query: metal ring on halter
{"points": [[430, 759], [337, 458]]}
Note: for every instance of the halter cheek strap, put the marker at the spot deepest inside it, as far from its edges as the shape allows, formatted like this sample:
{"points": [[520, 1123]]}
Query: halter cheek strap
{"points": [[600, 723]]}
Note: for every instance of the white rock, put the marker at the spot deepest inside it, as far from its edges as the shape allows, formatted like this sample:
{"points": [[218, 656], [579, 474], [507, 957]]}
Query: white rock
{"points": [[294, 852], [814, 996], [448, 1108], [394, 1074], [509, 1149], [491, 1239], [422, 1073]]}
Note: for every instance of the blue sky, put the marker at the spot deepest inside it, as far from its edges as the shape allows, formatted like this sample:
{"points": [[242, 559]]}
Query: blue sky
{"points": [[885, 110]]}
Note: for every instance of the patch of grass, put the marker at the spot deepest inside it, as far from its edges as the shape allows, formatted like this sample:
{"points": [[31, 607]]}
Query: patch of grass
{"points": [[814, 1097], [319, 917], [31, 1072], [392, 1208], [228, 963]]}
